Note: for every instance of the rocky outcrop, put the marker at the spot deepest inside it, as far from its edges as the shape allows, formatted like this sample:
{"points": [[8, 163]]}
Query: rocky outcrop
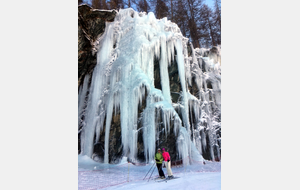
{"points": [[91, 25]]}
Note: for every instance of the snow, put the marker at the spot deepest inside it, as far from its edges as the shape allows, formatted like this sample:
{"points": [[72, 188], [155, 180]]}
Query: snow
{"points": [[93, 175], [203, 181]]}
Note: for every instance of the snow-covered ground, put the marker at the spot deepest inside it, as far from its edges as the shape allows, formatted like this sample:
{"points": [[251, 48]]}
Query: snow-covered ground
{"points": [[188, 181], [94, 175]]}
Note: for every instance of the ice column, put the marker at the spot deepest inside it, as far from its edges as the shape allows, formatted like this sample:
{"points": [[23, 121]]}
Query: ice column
{"points": [[164, 74], [181, 71], [96, 91], [149, 132]]}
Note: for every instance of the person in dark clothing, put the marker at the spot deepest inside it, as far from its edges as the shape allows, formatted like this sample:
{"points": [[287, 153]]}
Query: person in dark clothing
{"points": [[159, 159]]}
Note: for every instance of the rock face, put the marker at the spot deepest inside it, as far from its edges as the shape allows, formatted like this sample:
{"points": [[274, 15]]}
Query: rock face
{"points": [[91, 25]]}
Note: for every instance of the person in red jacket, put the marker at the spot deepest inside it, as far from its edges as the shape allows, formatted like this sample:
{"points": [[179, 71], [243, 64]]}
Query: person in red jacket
{"points": [[167, 160]]}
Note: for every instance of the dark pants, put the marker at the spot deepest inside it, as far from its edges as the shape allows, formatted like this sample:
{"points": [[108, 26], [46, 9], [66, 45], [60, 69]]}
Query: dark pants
{"points": [[160, 171]]}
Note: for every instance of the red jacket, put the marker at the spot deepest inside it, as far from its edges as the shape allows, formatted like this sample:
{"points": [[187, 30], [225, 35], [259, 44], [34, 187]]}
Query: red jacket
{"points": [[166, 156]]}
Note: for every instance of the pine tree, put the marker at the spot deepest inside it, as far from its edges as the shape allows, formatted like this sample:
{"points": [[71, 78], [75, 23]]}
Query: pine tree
{"points": [[217, 20], [99, 4], [161, 9], [171, 10], [116, 4], [194, 7], [180, 16], [128, 3], [208, 25], [143, 6]]}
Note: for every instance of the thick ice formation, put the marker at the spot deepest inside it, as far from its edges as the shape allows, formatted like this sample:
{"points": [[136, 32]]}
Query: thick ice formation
{"points": [[124, 77]]}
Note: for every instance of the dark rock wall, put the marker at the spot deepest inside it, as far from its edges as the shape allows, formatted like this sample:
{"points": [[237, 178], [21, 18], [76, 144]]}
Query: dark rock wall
{"points": [[91, 25]]}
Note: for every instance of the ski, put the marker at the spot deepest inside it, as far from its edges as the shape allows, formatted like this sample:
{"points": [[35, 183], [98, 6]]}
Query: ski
{"points": [[159, 179], [167, 179], [173, 178]]}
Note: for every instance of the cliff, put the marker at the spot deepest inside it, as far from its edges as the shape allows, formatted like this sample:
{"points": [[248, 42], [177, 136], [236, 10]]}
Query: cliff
{"points": [[183, 102]]}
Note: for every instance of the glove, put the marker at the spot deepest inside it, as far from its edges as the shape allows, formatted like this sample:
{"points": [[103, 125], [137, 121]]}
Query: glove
{"points": [[157, 160], [168, 160]]}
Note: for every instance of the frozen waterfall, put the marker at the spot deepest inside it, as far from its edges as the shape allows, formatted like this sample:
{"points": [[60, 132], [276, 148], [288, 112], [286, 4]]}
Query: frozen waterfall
{"points": [[122, 83]]}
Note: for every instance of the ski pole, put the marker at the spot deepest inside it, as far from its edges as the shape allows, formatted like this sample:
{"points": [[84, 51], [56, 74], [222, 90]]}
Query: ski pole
{"points": [[151, 174], [149, 170]]}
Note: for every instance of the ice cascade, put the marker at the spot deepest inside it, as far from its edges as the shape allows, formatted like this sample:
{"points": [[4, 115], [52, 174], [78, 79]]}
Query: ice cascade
{"points": [[123, 80]]}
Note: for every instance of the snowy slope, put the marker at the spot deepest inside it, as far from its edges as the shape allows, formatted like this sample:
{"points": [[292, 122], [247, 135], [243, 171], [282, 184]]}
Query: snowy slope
{"points": [[188, 181], [93, 175]]}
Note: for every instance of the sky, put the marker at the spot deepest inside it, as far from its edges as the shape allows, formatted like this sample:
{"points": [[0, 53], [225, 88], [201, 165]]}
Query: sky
{"points": [[210, 3]]}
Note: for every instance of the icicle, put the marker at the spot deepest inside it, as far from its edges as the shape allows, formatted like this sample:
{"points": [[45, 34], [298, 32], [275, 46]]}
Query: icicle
{"points": [[109, 112], [96, 90], [181, 71], [183, 145], [194, 59], [164, 75], [149, 133]]}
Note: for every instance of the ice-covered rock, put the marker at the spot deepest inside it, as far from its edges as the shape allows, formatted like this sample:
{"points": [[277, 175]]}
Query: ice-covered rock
{"points": [[148, 91]]}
